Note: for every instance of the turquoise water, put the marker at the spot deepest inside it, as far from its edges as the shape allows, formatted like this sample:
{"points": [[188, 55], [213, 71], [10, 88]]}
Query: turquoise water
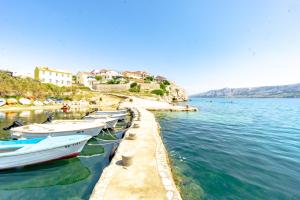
{"points": [[236, 148], [63, 179]]}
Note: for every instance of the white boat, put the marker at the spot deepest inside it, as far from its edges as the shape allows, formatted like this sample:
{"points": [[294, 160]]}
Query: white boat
{"points": [[2, 102], [25, 101], [18, 153], [103, 124], [110, 122], [56, 129], [38, 103], [99, 116], [111, 112]]}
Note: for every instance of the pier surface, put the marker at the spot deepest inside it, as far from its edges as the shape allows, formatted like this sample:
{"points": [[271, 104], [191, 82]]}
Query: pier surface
{"points": [[149, 176]]}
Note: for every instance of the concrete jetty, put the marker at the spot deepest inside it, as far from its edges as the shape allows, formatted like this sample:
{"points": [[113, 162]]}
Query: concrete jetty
{"points": [[148, 175]]}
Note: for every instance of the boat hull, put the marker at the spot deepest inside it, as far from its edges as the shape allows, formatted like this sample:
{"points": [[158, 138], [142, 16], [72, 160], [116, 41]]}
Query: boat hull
{"points": [[111, 124], [91, 132], [41, 156], [111, 112], [119, 117]]}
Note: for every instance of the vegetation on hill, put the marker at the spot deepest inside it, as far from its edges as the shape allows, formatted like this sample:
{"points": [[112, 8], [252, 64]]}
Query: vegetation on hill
{"points": [[27, 87], [163, 89]]}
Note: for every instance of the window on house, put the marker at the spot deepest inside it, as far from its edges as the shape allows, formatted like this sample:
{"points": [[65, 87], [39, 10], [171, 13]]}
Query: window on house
{"points": [[57, 81], [50, 81], [62, 82]]}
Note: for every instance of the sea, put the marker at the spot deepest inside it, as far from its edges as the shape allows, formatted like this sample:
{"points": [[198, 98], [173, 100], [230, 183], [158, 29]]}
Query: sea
{"points": [[231, 149], [239, 149]]}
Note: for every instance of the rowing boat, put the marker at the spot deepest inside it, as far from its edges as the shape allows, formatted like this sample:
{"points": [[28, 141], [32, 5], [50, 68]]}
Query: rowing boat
{"points": [[100, 116], [111, 112], [18, 153], [56, 129]]}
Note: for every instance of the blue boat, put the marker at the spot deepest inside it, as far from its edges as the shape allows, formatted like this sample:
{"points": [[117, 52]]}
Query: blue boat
{"points": [[18, 153]]}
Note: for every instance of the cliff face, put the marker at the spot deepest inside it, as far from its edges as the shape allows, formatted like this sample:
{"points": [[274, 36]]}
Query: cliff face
{"points": [[283, 91], [176, 93]]}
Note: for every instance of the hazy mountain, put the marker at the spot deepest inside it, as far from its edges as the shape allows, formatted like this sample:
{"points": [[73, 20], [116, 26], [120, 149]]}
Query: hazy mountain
{"points": [[283, 91]]}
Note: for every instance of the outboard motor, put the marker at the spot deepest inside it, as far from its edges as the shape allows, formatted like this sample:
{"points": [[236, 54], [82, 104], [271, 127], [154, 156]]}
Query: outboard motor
{"points": [[49, 119], [16, 123]]}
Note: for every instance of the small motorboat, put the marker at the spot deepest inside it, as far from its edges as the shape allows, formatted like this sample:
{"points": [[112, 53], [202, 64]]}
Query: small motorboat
{"points": [[24, 101], [11, 101], [56, 129], [18, 153], [2, 102], [109, 122], [100, 123], [119, 117], [111, 112], [38, 103]]}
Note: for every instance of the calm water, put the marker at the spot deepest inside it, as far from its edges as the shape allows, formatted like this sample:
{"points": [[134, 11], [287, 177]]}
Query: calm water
{"points": [[64, 179], [236, 148]]}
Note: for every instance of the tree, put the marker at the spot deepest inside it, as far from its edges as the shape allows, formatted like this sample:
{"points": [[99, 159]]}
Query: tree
{"points": [[98, 78], [134, 87]]}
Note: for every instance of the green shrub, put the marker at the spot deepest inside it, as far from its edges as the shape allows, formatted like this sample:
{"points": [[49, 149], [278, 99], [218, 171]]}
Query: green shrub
{"points": [[137, 88], [162, 86], [148, 79], [98, 78], [114, 81], [134, 87], [159, 92], [166, 82]]}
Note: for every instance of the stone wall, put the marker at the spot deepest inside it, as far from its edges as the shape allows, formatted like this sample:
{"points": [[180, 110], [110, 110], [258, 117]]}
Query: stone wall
{"points": [[123, 87]]}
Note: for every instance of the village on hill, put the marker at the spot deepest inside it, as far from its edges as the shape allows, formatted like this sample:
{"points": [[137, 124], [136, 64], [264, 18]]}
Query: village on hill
{"points": [[48, 84]]}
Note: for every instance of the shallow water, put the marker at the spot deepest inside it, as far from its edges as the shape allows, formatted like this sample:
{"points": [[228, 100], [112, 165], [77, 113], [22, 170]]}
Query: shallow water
{"points": [[236, 148], [63, 179]]}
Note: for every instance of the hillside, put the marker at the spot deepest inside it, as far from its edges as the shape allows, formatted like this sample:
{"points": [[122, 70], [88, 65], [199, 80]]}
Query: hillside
{"points": [[282, 91], [27, 87]]}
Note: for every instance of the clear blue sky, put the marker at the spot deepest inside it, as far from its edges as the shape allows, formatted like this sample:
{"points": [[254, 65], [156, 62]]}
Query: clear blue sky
{"points": [[199, 44]]}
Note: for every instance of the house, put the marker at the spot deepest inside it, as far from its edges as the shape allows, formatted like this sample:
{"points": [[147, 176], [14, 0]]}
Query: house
{"points": [[55, 76], [135, 74], [160, 78], [85, 78], [107, 74]]}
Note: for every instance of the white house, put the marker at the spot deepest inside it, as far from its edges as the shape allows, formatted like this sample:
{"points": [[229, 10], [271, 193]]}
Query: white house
{"points": [[107, 74], [54, 76], [85, 78], [136, 74]]}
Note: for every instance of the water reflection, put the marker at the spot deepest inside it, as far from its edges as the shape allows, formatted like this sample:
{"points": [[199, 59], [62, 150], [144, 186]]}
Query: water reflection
{"points": [[61, 172]]}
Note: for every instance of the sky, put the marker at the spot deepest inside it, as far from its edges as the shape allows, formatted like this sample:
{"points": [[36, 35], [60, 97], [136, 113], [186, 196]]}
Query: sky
{"points": [[200, 44]]}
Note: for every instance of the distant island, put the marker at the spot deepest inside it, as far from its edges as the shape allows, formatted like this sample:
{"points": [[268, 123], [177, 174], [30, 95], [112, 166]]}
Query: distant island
{"points": [[281, 91]]}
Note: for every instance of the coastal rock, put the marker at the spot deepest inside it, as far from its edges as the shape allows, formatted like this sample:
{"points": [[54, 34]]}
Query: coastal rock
{"points": [[176, 93]]}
